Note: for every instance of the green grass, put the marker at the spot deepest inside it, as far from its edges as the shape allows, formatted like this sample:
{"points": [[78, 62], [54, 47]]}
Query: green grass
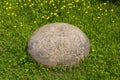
{"points": [[99, 20]]}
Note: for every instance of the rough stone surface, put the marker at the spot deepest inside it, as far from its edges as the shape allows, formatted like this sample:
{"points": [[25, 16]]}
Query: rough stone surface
{"points": [[58, 44]]}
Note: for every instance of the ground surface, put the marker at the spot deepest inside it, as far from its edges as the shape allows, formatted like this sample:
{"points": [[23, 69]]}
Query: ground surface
{"points": [[99, 20]]}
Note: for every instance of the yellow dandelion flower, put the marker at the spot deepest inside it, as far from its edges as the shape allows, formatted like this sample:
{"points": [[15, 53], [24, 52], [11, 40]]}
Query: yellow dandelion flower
{"points": [[55, 7], [10, 7], [70, 4], [106, 14], [30, 5], [56, 10], [68, 12], [104, 3], [70, 7], [100, 9], [76, 0], [93, 49], [79, 9], [88, 7], [86, 12], [19, 0], [7, 3], [25, 4], [63, 7], [41, 4], [35, 22], [43, 17], [55, 13], [58, 1], [8, 14], [51, 1], [21, 24], [51, 13], [74, 6], [29, 0], [73, 16], [17, 3], [98, 17], [10, 4], [106, 10], [76, 18], [46, 1], [7, 8], [21, 6], [112, 10], [84, 4], [53, 4], [14, 26], [13, 14], [48, 17], [113, 21]]}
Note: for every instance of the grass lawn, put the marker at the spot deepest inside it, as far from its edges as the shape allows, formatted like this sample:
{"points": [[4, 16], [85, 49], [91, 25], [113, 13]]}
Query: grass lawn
{"points": [[99, 20]]}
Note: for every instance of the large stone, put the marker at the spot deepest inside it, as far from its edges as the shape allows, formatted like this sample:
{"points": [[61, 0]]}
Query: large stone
{"points": [[58, 44]]}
